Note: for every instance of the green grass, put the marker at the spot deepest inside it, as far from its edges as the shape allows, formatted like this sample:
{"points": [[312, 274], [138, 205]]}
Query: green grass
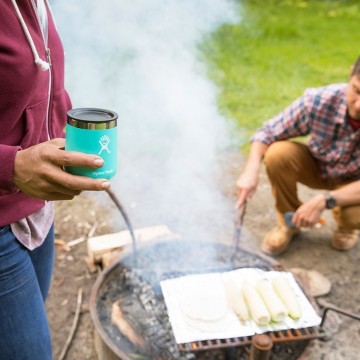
{"points": [[277, 50]]}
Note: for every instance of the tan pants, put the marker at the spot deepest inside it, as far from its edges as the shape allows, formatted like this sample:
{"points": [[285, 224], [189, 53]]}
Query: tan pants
{"points": [[288, 163]]}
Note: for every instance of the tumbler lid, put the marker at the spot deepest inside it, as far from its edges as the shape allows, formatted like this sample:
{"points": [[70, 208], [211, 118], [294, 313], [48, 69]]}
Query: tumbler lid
{"points": [[92, 118]]}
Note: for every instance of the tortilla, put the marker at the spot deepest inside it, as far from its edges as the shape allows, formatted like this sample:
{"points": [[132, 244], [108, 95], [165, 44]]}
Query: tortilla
{"points": [[204, 308], [209, 326]]}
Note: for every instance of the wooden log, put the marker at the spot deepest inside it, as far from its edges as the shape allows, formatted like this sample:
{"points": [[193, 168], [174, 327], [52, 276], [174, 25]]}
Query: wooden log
{"points": [[118, 319], [99, 245], [110, 257], [92, 267]]}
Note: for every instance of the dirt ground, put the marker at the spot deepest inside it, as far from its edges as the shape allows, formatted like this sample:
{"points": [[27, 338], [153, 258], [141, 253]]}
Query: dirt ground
{"points": [[84, 216]]}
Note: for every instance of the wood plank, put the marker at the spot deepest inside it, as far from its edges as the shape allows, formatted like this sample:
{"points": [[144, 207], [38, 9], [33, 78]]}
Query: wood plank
{"points": [[99, 245]]}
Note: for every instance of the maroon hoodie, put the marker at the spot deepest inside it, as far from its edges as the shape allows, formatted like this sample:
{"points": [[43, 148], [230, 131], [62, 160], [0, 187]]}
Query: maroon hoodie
{"points": [[25, 100]]}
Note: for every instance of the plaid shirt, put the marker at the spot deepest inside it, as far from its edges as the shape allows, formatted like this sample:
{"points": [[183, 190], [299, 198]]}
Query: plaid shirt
{"points": [[320, 113]]}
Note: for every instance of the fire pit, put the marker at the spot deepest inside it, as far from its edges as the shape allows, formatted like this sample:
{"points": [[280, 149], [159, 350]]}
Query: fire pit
{"points": [[130, 315]]}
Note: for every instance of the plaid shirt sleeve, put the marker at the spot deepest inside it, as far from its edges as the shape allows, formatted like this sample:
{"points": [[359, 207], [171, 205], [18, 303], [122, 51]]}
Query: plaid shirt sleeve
{"points": [[321, 114], [293, 121]]}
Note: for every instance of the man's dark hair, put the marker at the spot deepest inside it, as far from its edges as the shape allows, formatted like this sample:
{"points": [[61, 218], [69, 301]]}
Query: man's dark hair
{"points": [[356, 68]]}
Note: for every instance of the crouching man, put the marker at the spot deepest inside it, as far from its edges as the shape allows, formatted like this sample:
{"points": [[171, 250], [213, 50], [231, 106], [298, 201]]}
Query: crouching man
{"points": [[328, 161]]}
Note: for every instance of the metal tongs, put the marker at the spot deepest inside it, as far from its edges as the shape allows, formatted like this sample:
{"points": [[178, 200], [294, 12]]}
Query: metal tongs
{"points": [[238, 228]]}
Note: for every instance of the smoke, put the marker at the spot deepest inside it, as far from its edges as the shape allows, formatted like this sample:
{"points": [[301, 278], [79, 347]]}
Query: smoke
{"points": [[140, 58]]}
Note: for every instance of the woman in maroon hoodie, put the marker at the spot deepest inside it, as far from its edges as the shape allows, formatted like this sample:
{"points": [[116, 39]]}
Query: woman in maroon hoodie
{"points": [[33, 106]]}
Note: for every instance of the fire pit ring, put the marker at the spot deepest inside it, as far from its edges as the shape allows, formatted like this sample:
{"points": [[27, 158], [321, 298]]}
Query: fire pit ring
{"points": [[158, 261]]}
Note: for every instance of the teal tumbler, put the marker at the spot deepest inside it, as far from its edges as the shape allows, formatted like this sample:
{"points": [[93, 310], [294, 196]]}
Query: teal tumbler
{"points": [[93, 131]]}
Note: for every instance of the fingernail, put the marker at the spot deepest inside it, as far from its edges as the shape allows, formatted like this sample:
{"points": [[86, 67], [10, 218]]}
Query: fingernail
{"points": [[106, 185], [99, 162]]}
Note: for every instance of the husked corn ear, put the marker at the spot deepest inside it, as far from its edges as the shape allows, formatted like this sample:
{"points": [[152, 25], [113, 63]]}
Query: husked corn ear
{"points": [[286, 293], [236, 300], [277, 309], [256, 306]]}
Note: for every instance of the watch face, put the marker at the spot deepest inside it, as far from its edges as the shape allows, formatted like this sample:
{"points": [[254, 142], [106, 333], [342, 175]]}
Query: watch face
{"points": [[330, 202]]}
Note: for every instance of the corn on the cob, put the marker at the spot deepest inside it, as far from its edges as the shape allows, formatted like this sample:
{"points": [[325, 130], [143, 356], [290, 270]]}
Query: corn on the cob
{"points": [[286, 293], [256, 306], [236, 300], [277, 309]]}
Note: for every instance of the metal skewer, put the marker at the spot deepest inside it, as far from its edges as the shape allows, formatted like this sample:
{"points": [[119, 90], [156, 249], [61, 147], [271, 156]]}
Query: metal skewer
{"points": [[116, 201], [238, 228]]}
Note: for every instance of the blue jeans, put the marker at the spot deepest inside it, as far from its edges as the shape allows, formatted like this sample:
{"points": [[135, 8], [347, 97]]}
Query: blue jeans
{"points": [[25, 278]]}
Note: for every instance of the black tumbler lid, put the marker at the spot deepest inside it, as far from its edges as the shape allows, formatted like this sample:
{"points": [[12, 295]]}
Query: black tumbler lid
{"points": [[92, 118]]}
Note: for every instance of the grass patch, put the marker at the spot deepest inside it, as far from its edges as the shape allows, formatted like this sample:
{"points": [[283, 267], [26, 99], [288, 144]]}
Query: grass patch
{"points": [[278, 49]]}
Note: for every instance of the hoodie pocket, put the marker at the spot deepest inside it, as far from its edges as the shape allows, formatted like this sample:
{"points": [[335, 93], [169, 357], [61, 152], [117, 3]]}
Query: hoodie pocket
{"points": [[60, 104], [36, 130]]}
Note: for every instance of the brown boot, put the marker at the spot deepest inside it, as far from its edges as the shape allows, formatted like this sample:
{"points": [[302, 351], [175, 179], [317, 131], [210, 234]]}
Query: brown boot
{"points": [[277, 240], [345, 239]]}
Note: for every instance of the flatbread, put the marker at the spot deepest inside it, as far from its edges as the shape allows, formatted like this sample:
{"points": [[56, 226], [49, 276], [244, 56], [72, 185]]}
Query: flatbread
{"points": [[209, 326], [203, 307]]}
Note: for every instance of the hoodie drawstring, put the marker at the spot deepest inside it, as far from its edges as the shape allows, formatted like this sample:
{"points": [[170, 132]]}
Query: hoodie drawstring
{"points": [[44, 66]]}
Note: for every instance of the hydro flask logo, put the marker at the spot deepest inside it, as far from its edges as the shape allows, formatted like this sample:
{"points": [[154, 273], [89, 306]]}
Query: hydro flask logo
{"points": [[104, 143]]}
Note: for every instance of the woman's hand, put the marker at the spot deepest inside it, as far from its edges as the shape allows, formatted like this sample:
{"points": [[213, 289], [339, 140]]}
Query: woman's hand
{"points": [[38, 171]]}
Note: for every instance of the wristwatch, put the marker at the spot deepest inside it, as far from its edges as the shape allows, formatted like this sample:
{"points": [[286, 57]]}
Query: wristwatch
{"points": [[330, 202]]}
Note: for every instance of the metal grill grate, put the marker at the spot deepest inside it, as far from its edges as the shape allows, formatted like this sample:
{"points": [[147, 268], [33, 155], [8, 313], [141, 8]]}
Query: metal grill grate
{"points": [[276, 337]]}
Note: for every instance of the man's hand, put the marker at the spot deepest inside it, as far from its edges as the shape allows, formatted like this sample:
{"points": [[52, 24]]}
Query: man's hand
{"points": [[246, 187], [38, 172], [248, 181], [308, 214]]}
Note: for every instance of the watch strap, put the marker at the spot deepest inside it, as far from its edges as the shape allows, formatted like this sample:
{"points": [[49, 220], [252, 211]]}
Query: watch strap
{"points": [[330, 201]]}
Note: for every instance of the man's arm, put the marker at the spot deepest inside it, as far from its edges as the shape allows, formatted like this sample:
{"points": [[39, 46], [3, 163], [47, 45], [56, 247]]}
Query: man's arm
{"points": [[308, 214], [293, 121], [347, 195], [248, 180]]}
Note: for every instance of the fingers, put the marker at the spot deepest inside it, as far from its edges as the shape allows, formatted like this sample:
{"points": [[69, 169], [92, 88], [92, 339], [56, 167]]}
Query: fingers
{"points": [[246, 188], [61, 181], [62, 188], [56, 197], [302, 220], [82, 183], [52, 188], [298, 220], [53, 151], [70, 184], [54, 179], [77, 159], [243, 196], [240, 202]]}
